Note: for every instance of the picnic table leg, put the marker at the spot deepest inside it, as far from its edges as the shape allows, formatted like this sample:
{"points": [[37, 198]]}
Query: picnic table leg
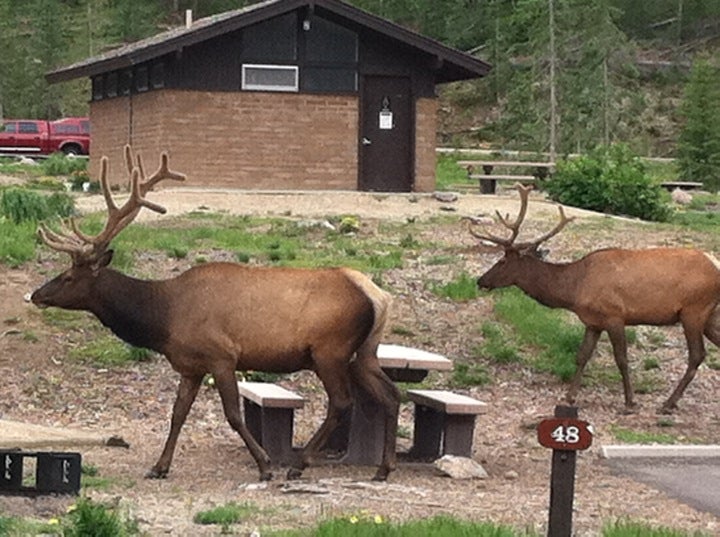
{"points": [[367, 432], [362, 437], [429, 424], [458, 438], [277, 439], [487, 186]]}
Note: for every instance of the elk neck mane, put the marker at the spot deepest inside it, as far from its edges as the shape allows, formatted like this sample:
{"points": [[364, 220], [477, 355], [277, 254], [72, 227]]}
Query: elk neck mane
{"points": [[554, 285], [135, 310]]}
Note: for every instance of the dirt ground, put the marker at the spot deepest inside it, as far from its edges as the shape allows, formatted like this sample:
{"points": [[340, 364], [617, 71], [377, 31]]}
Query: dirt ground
{"points": [[41, 385]]}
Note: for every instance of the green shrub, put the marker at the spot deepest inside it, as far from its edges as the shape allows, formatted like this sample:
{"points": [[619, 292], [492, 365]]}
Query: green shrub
{"points": [[98, 520], [21, 205], [59, 164], [17, 242], [610, 179]]}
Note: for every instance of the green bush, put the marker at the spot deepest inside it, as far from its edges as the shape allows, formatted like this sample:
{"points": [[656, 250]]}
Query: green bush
{"points": [[22, 205], [59, 164], [17, 242], [610, 179], [98, 520]]}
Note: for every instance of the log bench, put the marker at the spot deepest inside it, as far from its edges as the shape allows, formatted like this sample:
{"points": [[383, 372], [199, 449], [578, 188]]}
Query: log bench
{"points": [[269, 415], [444, 423]]}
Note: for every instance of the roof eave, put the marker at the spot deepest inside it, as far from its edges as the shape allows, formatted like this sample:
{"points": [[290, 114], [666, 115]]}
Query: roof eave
{"points": [[464, 66]]}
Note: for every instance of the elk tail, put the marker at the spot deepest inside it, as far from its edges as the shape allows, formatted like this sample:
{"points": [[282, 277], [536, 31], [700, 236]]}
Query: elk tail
{"points": [[381, 301]]}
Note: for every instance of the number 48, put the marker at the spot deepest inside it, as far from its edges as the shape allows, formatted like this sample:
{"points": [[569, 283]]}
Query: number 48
{"points": [[566, 435]]}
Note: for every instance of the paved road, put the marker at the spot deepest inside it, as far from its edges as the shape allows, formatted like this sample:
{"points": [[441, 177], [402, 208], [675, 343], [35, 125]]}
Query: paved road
{"points": [[694, 481]]}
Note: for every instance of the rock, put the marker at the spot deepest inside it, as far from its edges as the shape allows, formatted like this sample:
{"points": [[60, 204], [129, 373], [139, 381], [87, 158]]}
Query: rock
{"points": [[460, 467], [445, 197], [681, 197], [28, 161], [511, 475]]}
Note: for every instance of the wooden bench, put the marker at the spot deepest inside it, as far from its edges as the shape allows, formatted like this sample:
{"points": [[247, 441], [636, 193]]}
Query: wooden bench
{"points": [[487, 180], [683, 185], [444, 423], [269, 415]]}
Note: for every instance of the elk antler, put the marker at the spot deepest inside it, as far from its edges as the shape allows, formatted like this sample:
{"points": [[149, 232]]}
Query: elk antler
{"points": [[84, 247], [509, 242]]}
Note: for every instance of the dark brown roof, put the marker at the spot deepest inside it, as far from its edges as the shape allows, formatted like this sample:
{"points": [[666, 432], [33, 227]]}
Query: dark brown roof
{"points": [[453, 64]]}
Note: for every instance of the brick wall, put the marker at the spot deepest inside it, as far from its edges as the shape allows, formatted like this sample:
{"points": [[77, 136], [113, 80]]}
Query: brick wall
{"points": [[248, 140], [235, 140], [425, 142]]}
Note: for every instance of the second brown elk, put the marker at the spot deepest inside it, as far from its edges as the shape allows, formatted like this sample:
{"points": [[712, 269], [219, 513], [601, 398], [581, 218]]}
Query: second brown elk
{"points": [[613, 288], [219, 318]]}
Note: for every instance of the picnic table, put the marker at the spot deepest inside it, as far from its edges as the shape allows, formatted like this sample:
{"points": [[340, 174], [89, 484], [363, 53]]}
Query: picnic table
{"points": [[363, 437], [487, 180]]}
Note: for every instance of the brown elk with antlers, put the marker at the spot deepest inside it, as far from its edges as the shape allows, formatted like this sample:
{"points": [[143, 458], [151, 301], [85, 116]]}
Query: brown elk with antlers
{"points": [[613, 288], [221, 317]]}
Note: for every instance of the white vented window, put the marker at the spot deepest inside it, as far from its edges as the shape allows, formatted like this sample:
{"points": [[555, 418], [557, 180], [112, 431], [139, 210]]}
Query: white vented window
{"points": [[270, 77]]}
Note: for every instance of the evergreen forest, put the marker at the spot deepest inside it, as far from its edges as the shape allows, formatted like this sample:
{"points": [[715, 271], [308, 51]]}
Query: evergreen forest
{"points": [[568, 75]]}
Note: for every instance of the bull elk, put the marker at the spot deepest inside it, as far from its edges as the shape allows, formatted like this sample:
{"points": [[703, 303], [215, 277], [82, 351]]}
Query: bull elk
{"points": [[613, 288], [219, 318]]}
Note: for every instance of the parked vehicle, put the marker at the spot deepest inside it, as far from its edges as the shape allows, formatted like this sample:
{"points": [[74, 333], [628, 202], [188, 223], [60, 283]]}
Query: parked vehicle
{"points": [[37, 137]]}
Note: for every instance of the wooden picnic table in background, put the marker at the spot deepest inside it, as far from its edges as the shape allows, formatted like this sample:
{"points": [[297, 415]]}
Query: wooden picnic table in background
{"points": [[487, 180]]}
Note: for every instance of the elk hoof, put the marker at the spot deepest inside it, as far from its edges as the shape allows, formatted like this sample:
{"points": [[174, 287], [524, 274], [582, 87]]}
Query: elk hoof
{"points": [[266, 475], [294, 473], [154, 473], [381, 475]]}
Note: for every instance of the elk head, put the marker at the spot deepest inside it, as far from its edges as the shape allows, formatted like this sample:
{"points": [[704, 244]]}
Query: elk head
{"points": [[518, 258], [73, 288]]}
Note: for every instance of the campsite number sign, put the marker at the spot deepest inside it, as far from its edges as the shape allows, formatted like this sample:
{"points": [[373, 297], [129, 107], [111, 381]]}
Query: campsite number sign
{"points": [[567, 434]]}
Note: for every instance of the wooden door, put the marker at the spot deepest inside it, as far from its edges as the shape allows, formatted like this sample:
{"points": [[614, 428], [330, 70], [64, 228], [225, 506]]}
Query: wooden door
{"points": [[386, 134]]}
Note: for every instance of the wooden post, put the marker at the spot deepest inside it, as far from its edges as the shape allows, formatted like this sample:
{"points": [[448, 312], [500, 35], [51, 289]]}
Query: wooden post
{"points": [[562, 484], [565, 434]]}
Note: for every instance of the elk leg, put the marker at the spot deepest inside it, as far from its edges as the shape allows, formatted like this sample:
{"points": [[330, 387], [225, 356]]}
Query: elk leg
{"points": [[336, 381], [371, 378], [696, 355], [619, 345], [187, 391], [230, 397], [584, 353]]}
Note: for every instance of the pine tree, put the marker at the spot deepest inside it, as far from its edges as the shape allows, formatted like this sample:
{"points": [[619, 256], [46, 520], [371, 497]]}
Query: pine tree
{"points": [[698, 155]]}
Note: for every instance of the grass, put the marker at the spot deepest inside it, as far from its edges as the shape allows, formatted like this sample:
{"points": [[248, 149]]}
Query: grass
{"points": [[227, 515], [364, 525], [554, 339], [636, 529], [460, 289], [106, 351], [17, 242], [448, 173], [498, 345], [630, 436]]}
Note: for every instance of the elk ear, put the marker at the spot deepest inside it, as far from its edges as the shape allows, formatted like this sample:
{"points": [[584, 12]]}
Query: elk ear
{"points": [[103, 261], [535, 251]]}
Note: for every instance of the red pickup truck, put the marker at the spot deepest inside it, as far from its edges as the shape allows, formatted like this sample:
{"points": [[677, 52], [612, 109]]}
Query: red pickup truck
{"points": [[36, 137]]}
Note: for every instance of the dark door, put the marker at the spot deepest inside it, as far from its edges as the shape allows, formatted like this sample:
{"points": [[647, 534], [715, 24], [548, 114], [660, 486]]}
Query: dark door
{"points": [[386, 130]]}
